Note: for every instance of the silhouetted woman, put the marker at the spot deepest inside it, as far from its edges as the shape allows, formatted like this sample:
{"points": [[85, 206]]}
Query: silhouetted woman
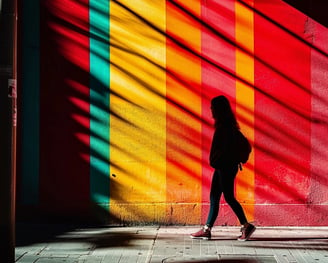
{"points": [[226, 169]]}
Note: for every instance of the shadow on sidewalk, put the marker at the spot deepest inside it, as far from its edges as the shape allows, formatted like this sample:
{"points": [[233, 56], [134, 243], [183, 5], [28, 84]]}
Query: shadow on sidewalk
{"points": [[98, 235], [31, 233]]}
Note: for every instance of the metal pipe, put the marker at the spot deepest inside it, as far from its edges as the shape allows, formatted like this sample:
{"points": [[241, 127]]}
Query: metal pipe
{"points": [[8, 117]]}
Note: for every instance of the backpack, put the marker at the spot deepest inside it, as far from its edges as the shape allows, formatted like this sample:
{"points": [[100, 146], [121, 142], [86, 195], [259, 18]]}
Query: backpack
{"points": [[242, 147]]}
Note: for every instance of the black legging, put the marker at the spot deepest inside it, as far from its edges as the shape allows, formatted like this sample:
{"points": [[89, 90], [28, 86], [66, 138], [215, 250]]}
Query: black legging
{"points": [[223, 182]]}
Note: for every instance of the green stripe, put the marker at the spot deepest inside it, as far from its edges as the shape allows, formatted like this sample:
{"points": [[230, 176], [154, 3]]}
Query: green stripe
{"points": [[99, 102], [30, 95]]}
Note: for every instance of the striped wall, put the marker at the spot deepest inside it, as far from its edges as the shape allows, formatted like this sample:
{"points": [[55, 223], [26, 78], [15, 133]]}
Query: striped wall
{"points": [[115, 109]]}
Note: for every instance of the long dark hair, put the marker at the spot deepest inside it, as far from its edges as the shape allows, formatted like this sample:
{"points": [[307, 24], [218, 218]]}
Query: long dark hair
{"points": [[222, 113]]}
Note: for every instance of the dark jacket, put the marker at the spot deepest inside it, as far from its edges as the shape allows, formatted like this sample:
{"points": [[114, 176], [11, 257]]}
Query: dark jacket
{"points": [[221, 148]]}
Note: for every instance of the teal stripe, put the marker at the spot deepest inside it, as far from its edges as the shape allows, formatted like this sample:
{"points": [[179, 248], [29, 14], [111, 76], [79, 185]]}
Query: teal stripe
{"points": [[30, 96], [99, 102]]}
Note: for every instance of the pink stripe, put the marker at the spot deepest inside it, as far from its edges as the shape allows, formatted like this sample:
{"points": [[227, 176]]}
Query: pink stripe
{"points": [[217, 38]]}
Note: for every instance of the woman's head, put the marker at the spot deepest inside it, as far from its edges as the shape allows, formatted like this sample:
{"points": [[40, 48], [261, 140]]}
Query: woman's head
{"points": [[222, 112]]}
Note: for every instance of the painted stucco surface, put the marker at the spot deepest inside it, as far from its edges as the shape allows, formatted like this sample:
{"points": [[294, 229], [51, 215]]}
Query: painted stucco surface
{"points": [[116, 109]]}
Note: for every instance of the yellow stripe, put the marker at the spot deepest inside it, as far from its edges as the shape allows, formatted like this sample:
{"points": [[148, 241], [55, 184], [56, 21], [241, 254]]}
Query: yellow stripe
{"points": [[137, 111], [245, 100]]}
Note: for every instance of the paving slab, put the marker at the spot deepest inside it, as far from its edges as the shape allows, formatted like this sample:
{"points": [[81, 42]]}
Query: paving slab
{"points": [[223, 258], [164, 244]]}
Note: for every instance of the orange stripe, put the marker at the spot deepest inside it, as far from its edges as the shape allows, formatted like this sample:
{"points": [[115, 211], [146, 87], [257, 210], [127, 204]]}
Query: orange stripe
{"points": [[245, 99], [183, 108]]}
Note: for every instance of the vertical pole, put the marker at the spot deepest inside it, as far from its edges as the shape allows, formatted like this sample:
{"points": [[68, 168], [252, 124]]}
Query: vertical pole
{"points": [[8, 117]]}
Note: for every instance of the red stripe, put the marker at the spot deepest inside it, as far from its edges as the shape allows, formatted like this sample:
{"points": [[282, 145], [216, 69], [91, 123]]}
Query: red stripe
{"points": [[64, 118], [319, 141], [283, 108]]}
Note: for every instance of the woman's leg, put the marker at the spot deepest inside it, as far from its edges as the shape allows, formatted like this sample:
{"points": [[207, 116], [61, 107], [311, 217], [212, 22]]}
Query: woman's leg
{"points": [[215, 195], [228, 186]]}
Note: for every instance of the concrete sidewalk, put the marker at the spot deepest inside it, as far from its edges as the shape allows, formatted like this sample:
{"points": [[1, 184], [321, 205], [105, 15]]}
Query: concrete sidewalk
{"points": [[150, 244]]}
